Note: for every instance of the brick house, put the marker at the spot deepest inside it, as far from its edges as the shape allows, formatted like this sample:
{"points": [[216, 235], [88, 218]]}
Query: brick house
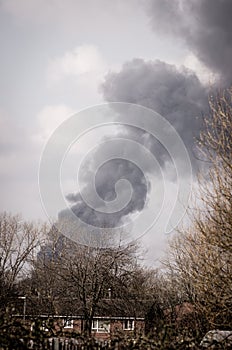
{"points": [[111, 317], [103, 327]]}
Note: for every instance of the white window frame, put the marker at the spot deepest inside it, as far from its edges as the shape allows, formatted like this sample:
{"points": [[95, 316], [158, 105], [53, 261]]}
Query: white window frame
{"points": [[129, 324], [68, 323], [45, 325], [97, 326]]}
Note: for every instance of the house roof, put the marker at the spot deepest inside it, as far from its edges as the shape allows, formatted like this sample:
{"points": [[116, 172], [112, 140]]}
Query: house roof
{"points": [[111, 308]]}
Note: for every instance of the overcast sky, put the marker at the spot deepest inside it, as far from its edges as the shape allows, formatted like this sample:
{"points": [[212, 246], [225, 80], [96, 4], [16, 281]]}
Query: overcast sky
{"points": [[59, 57]]}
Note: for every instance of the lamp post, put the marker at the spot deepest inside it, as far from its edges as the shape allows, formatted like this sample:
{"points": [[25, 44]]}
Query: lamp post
{"points": [[24, 307]]}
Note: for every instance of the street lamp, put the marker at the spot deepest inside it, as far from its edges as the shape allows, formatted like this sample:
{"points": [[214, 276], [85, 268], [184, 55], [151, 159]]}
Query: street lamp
{"points": [[24, 307]]}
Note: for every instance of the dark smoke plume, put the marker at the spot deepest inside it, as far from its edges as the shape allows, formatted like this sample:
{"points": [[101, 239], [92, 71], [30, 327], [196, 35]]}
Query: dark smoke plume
{"points": [[177, 95], [205, 27]]}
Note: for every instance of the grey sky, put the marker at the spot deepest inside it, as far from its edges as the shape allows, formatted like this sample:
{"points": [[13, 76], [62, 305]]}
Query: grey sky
{"points": [[58, 57], [33, 35]]}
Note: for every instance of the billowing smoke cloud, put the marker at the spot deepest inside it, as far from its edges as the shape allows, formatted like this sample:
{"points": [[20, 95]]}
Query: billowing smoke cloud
{"points": [[178, 95], [204, 25], [106, 178]]}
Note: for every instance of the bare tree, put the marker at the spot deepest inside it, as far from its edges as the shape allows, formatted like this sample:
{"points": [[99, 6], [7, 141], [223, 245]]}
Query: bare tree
{"points": [[201, 256], [94, 274], [18, 243], [69, 278]]}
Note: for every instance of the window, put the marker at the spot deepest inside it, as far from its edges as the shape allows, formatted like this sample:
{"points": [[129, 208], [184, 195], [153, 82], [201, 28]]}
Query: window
{"points": [[45, 326], [101, 326], [129, 325], [68, 323]]}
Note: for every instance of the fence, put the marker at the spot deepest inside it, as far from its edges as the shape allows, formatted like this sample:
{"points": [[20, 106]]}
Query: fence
{"points": [[66, 344]]}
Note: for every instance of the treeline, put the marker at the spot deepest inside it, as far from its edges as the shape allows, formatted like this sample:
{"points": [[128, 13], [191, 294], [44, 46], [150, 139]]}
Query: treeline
{"points": [[189, 295]]}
